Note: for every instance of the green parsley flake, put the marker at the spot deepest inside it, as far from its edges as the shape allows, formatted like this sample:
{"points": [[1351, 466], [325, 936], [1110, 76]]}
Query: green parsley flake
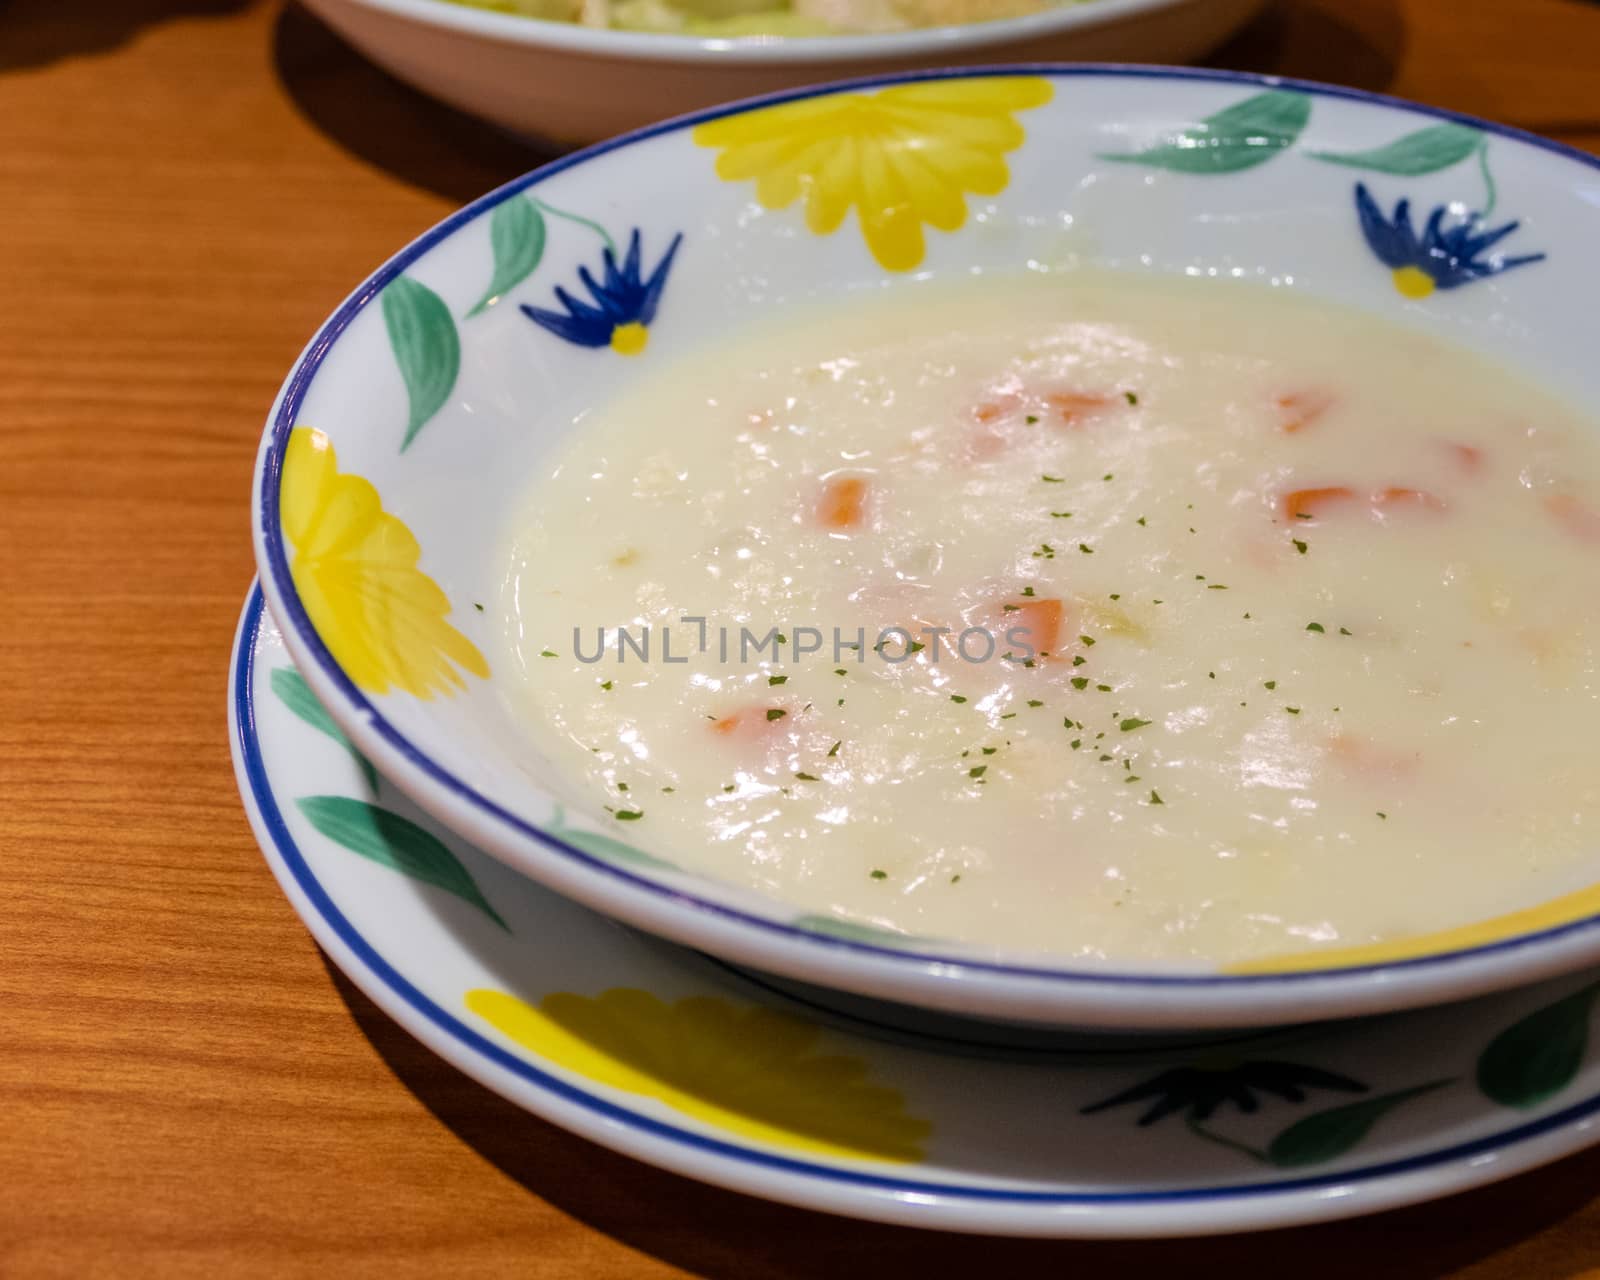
{"points": [[477, 606], [1076, 743], [1062, 515], [977, 771], [1139, 521], [547, 653], [1298, 545], [772, 680], [879, 875], [834, 749], [1155, 798], [1104, 688], [1132, 723], [1051, 479], [1031, 419], [956, 697], [1080, 682], [1315, 626], [807, 777], [1034, 702], [1383, 815], [1294, 711], [1345, 631], [1088, 641], [1269, 684], [840, 671], [606, 685], [1130, 397], [628, 815], [1027, 591], [989, 751], [776, 713]]}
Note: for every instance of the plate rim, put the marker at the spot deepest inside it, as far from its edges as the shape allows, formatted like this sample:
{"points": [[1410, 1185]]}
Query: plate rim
{"points": [[1206, 1210]]}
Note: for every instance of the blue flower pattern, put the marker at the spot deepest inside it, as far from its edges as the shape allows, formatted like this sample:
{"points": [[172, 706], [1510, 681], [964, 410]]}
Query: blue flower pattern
{"points": [[624, 303], [1442, 257]]}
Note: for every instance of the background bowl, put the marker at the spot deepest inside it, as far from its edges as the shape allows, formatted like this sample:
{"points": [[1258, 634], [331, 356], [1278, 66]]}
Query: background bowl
{"points": [[402, 442], [570, 84]]}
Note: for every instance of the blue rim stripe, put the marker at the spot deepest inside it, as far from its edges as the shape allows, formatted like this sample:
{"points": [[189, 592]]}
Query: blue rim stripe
{"points": [[302, 376], [249, 747]]}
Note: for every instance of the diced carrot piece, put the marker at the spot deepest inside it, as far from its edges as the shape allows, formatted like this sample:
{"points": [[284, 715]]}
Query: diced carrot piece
{"points": [[985, 444], [1076, 407], [1414, 499], [1468, 457], [1300, 409], [993, 411], [1363, 756], [750, 723], [1311, 504], [1575, 516], [1032, 620], [843, 502]]}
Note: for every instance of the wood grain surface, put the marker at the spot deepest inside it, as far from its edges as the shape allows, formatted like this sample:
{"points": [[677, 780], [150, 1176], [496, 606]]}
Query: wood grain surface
{"points": [[187, 187]]}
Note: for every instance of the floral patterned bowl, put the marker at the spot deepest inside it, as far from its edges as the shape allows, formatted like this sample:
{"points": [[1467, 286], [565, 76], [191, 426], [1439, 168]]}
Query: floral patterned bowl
{"points": [[400, 444], [572, 85]]}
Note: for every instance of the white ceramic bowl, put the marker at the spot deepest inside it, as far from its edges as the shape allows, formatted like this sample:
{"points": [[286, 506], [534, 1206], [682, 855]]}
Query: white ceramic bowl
{"points": [[572, 85], [412, 422]]}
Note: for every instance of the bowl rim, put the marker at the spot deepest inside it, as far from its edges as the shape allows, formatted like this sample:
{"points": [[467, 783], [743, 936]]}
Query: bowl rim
{"points": [[1392, 983], [923, 42]]}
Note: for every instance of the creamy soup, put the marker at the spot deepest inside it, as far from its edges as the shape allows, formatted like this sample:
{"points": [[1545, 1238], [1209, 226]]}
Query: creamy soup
{"points": [[1229, 624]]}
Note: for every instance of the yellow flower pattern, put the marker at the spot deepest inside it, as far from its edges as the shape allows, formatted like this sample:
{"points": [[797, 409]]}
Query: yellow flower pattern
{"points": [[355, 568], [741, 1068], [903, 156]]}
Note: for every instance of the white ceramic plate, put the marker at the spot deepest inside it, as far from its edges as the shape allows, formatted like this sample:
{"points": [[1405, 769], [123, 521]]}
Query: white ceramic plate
{"points": [[439, 387], [672, 1058], [574, 85]]}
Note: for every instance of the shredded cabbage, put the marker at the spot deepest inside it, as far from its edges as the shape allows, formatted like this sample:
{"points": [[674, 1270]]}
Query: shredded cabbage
{"points": [[732, 19]]}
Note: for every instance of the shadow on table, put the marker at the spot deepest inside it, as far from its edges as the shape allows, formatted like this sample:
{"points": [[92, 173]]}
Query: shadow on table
{"points": [[35, 33], [386, 123], [1358, 43], [727, 1236]]}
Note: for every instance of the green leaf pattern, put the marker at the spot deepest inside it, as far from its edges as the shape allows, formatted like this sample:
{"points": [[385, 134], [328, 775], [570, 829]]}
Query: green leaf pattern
{"points": [[1242, 136], [1425, 151], [851, 931], [516, 235], [392, 841], [1326, 1135], [295, 693], [426, 347], [1539, 1056], [607, 848]]}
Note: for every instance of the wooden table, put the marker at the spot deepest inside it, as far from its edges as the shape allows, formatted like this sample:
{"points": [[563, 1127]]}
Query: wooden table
{"points": [[187, 187]]}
